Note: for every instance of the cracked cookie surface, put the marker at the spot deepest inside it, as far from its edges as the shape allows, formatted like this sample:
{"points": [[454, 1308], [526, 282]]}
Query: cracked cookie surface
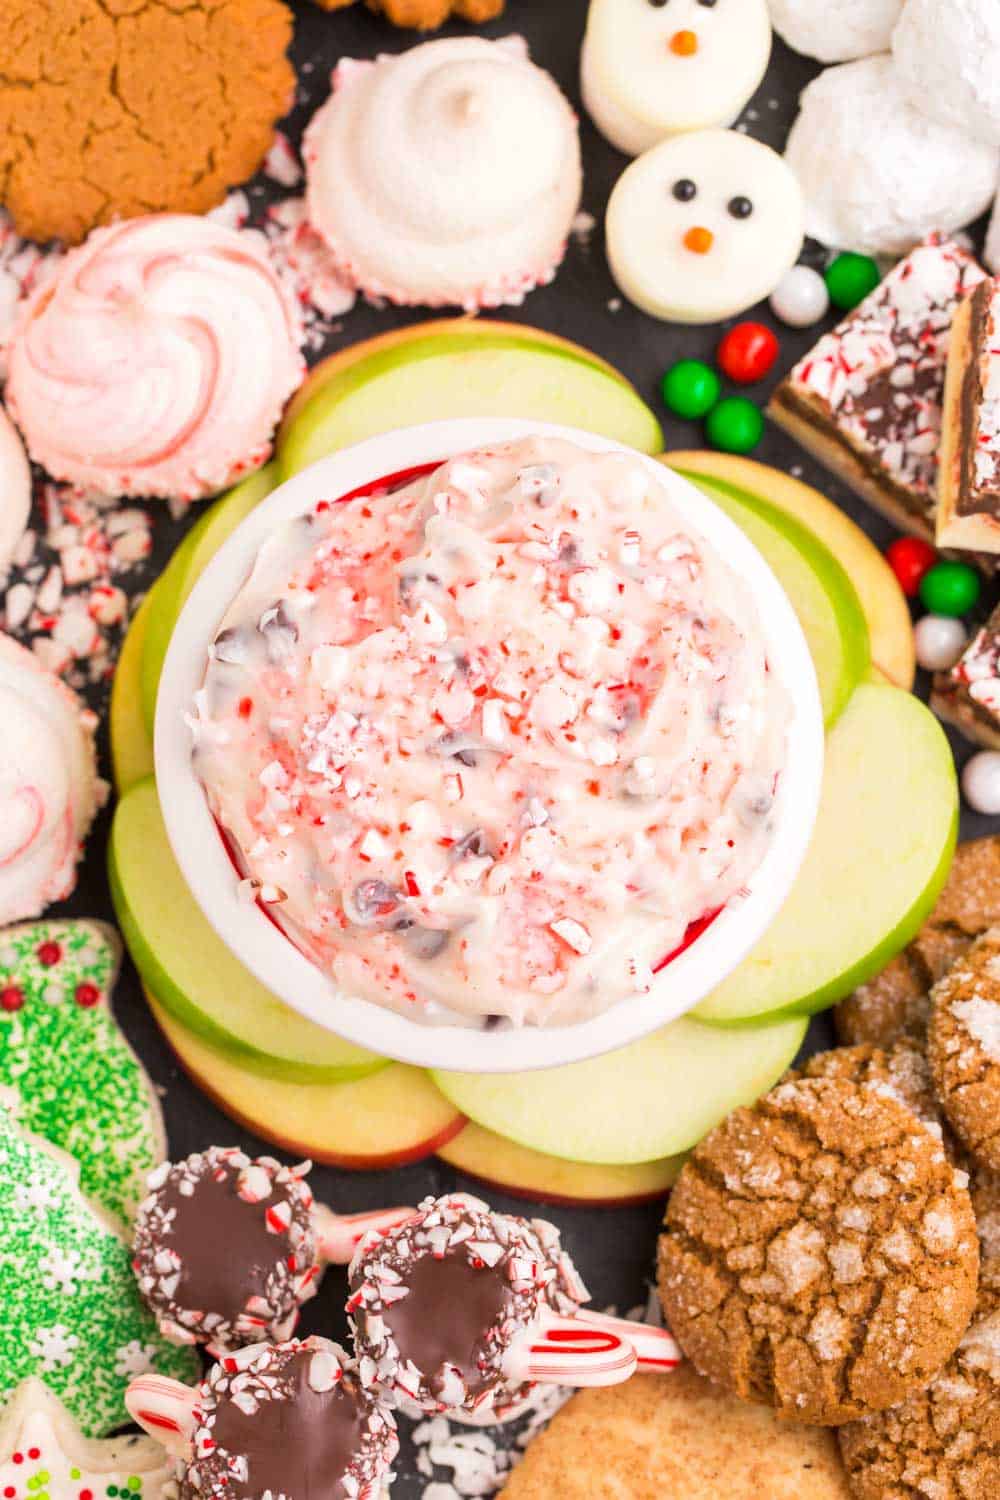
{"points": [[942, 1443], [901, 1069], [115, 108], [426, 15], [820, 1253], [964, 1048]]}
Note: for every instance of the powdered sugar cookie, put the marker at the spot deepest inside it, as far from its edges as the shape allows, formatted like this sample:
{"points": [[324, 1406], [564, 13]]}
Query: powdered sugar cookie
{"points": [[649, 70], [43, 1452], [946, 56], [836, 30], [78, 1081], [449, 174], [820, 1253], [964, 1045], [15, 490], [703, 226], [70, 1311], [879, 175], [49, 788]]}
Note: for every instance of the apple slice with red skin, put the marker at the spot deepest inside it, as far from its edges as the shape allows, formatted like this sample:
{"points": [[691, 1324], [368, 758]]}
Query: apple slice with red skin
{"points": [[388, 1119], [524, 1173]]}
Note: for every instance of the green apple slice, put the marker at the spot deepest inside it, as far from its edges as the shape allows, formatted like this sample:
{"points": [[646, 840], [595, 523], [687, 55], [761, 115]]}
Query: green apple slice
{"points": [[880, 854], [131, 743], [426, 379], [652, 1099], [818, 588], [193, 974], [186, 567]]}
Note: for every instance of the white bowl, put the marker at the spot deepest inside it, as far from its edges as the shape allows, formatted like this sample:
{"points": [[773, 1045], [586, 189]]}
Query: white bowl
{"points": [[272, 957]]}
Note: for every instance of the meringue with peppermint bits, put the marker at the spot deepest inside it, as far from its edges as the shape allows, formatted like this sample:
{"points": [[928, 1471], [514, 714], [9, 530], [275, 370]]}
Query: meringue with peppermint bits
{"points": [[157, 360], [447, 175]]}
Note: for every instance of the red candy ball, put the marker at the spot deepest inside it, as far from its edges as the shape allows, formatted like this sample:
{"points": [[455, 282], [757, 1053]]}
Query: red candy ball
{"points": [[49, 954], [11, 999], [747, 353], [87, 995], [910, 559]]}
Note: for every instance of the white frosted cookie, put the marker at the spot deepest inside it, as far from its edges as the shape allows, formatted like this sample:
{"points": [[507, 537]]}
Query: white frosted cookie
{"points": [[15, 490], [948, 56], [878, 175], [653, 68], [703, 226], [836, 30]]}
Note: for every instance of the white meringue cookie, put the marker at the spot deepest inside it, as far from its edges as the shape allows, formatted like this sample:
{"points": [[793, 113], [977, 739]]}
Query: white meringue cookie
{"points": [[878, 175], [651, 70], [15, 490], [991, 252], [157, 360], [836, 30], [948, 57], [49, 788], [447, 175]]}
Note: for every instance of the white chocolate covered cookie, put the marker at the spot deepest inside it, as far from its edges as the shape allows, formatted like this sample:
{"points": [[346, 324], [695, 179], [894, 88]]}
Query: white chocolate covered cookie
{"points": [[654, 68], [836, 30], [15, 489], [948, 57], [703, 226], [877, 174]]}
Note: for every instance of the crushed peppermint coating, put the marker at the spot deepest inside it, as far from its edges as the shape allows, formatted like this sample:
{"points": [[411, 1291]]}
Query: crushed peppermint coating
{"points": [[496, 739], [874, 386], [969, 490], [437, 1304], [290, 1420], [225, 1248], [969, 693]]}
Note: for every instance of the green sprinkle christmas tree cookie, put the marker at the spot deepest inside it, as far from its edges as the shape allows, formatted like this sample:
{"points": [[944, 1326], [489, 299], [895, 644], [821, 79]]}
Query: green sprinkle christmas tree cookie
{"points": [[70, 1310], [78, 1081]]}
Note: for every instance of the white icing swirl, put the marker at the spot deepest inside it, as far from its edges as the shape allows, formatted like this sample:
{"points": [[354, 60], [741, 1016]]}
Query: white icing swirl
{"points": [[157, 361], [49, 790], [447, 175]]}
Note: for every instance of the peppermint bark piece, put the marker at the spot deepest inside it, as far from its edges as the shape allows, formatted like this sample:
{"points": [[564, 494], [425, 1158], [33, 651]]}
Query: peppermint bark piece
{"points": [[969, 510], [968, 695]]}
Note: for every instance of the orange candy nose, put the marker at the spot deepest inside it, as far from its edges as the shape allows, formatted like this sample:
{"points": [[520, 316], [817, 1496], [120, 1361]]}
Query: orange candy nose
{"points": [[684, 43], [699, 240]]}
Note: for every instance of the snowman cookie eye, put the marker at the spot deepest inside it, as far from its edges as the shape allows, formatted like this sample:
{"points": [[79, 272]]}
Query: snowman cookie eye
{"points": [[684, 190], [708, 4], [740, 207]]}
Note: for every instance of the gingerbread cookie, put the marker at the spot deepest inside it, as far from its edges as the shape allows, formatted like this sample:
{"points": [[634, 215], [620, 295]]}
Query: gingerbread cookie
{"points": [[942, 1443], [98, 99], [78, 1081], [964, 1048], [426, 15], [896, 1002], [984, 1190], [70, 1311], [820, 1253], [902, 1071]]}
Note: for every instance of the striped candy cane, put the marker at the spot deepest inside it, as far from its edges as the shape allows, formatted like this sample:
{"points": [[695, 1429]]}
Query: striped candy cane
{"points": [[656, 1349], [339, 1235], [567, 1351], [165, 1409]]}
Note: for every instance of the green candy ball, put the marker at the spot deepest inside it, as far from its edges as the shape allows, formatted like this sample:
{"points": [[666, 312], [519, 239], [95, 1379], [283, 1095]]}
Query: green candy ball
{"points": [[850, 278], [950, 588], [691, 389], [735, 425]]}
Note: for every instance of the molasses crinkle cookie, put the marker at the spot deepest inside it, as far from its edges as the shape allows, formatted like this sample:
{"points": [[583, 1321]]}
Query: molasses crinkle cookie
{"points": [[449, 174], [157, 361], [964, 1045], [820, 1253]]}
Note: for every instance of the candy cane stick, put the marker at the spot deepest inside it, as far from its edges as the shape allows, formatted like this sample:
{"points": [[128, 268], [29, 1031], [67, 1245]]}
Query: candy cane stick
{"points": [[655, 1348], [567, 1351], [165, 1409], [339, 1235]]}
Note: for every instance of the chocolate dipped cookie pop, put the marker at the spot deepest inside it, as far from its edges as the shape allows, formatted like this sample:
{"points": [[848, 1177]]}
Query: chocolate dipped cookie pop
{"points": [[227, 1248], [289, 1420]]}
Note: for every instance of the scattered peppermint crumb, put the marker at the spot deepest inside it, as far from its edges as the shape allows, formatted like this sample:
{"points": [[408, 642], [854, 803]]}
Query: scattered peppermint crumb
{"points": [[582, 228]]}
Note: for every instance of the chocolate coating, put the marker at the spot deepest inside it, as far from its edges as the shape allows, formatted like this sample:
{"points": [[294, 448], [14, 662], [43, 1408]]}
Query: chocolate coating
{"points": [[445, 1317]]}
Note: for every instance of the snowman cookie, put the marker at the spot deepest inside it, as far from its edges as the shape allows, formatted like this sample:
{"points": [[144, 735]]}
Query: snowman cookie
{"points": [[703, 226], [77, 1080], [654, 68], [70, 1311], [43, 1452]]}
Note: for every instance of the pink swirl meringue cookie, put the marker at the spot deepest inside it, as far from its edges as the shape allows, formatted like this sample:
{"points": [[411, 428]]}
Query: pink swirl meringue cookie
{"points": [[15, 490], [449, 174], [157, 361], [49, 788]]}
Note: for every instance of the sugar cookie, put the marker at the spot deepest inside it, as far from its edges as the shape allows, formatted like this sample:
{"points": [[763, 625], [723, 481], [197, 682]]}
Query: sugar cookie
{"points": [[43, 1452], [946, 56], [79, 1083], [15, 490], [877, 174], [70, 1311], [651, 69], [836, 30], [703, 226], [49, 788]]}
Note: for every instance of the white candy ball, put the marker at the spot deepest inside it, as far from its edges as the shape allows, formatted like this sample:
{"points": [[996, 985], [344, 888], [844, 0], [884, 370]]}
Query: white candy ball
{"points": [[877, 174], [947, 55], [939, 641], [836, 30], [800, 299], [981, 782]]}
